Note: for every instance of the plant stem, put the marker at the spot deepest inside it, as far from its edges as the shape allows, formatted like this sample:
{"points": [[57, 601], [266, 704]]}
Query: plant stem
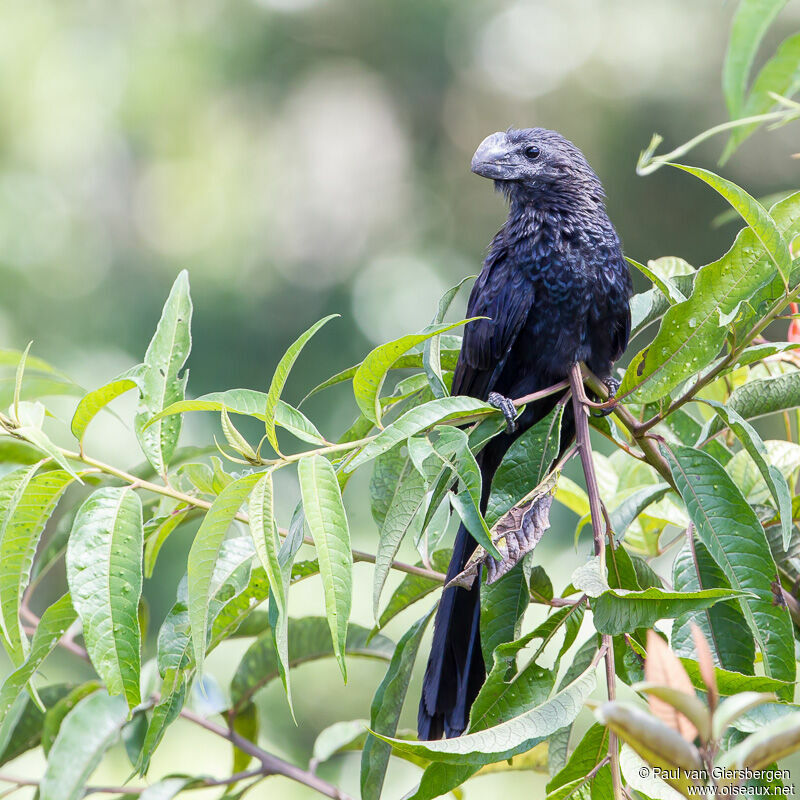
{"points": [[270, 764], [168, 491], [648, 444], [596, 512]]}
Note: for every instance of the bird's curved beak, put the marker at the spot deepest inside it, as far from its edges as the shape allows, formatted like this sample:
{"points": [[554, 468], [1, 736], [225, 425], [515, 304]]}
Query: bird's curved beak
{"points": [[492, 159]]}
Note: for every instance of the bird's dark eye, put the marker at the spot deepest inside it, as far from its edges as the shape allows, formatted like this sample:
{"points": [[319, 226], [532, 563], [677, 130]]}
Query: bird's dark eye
{"points": [[531, 152]]}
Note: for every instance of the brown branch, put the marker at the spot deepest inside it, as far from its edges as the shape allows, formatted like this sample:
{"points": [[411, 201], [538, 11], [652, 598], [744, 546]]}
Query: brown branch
{"points": [[270, 764], [648, 444], [600, 535]]}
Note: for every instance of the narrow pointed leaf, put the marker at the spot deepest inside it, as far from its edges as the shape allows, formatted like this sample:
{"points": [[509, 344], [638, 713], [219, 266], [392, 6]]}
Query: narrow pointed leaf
{"points": [[386, 707], [733, 707], [369, 377], [252, 404], [309, 640], [402, 518], [525, 464], [751, 441], [691, 333], [781, 75], [731, 531], [750, 23], [52, 626], [753, 213], [327, 521], [619, 611], [722, 624], [511, 737], [267, 543], [93, 402], [104, 571], [203, 557], [282, 373], [431, 353], [85, 735], [161, 382], [446, 409], [21, 524]]}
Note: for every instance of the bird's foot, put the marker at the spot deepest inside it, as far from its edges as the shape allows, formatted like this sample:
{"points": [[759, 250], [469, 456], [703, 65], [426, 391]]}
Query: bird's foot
{"points": [[508, 408], [612, 384]]}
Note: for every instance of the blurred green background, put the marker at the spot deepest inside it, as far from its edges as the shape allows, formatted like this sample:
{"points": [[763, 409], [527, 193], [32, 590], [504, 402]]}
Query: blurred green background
{"points": [[303, 157]]}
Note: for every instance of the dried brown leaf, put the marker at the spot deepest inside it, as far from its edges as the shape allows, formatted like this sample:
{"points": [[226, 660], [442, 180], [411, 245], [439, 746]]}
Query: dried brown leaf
{"points": [[663, 667]]}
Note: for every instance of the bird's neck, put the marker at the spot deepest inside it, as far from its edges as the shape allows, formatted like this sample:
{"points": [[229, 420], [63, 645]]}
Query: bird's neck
{"points": [[554, 218]]}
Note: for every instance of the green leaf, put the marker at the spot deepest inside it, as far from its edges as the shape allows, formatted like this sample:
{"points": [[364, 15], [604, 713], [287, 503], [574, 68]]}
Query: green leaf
{"points": [[590, 751], [452, 446], [267, 543], [750, 23], [55, 715], [508, 691], [157, 535], [450, 346], [281, 374], [513, 736], [402, 517], [525, 464], [52, 626], [413, 588], [386, 707], [503, 604], [778, 488], [664, 284], [203, 556], [250, 403], [431, 354], [758, 398], [40, 439], [327, 521], [732, 708], [618, 611], [161, 384], [166, 711], [86, 733], [370, 375], [640, 776], [634, 504], [781, 75], [104, 571], [558, 743], [723, 624], [753, 213], [691, 335], [730, 530], [93, 402], [765, 747], [309, 639], [22, 519], [338, 738], [420, 418], [245, 723], [25, 730]]}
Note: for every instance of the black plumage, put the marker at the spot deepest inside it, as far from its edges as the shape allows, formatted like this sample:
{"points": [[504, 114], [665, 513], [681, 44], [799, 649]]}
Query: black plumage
{"points": [[555, 290]]}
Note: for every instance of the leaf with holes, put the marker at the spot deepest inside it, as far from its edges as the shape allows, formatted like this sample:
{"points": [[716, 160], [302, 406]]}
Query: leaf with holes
{"points": [[104, 571]]}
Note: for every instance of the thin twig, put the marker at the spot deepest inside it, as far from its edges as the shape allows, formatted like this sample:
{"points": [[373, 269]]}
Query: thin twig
{"points": [[271, 765], [596, 511]]}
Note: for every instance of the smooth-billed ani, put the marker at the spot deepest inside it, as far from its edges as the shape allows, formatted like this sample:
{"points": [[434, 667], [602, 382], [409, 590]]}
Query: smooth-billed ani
{"points": [[555, 290]]}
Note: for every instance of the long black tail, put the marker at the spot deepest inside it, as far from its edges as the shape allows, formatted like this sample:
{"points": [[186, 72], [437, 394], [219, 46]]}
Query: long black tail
{"points": [[455, 671]]}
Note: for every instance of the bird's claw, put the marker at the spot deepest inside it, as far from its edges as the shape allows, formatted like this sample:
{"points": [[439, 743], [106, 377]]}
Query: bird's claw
{"points": [[612, 384], [507, 407]]}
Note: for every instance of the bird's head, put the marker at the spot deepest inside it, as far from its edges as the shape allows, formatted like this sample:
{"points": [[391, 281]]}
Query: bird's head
{"points": [[535, 162]]}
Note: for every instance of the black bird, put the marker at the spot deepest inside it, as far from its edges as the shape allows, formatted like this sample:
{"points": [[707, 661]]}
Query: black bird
{"points": [[555, 289]]}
